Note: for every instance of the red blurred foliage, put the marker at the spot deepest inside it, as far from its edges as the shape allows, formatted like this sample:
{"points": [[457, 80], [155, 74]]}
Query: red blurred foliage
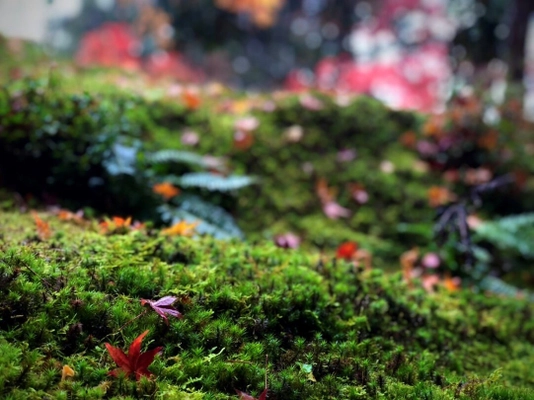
{"points": [[114, 44], [111, 45]]}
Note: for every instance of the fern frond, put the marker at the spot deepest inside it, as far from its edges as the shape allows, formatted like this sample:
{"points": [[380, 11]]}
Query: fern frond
{"points": [[214, 220], [210, 181], [510, 233], [498, 286], [176, 156]]}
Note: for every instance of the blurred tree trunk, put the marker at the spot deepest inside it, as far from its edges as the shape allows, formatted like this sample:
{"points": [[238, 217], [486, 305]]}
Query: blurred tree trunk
{"points": [[522, 9]]}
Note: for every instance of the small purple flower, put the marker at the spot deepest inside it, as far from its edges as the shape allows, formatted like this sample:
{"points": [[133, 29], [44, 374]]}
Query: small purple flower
{"points": [[431, 260]]}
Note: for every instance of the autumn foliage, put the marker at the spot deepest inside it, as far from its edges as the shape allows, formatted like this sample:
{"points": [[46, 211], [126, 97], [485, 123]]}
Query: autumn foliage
{"points": [[134, 363]]}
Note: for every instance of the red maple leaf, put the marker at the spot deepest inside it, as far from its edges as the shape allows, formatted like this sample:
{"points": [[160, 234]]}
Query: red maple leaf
{"points": [[135, 362], [163, 306], [346, 250], [245, 396]]}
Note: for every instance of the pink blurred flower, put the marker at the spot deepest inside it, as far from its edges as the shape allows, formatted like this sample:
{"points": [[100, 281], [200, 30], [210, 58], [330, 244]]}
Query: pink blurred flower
{"points": [[360, 196], [190, 138], [334, 211], [431, 260], [246, 124], [294, 133], [287, 240], [311, 103], [429, 282], [113, 44]]}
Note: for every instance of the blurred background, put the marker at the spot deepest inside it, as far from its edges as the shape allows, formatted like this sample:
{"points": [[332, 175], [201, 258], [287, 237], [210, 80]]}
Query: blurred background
{"points": [[408, 53]]}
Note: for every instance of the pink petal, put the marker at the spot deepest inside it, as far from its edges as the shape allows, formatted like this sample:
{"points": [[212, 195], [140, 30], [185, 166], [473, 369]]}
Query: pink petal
{"points": [[164, 301], [334, 211]]}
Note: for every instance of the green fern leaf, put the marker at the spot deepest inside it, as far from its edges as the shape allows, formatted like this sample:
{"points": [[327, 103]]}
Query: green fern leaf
{"points": [[510, 233], [214, 220], [498, 286], [176, 156], [210, 181]]}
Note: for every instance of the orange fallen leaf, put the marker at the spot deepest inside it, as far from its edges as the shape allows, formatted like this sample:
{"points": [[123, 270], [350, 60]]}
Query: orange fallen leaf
{"points": [[182, 228], [451, 284], [438, 195], [42, 227], [325, 194], [408, 260], [66, 372], [191, 100], [66, 215], [166, 190], [115, 224]]}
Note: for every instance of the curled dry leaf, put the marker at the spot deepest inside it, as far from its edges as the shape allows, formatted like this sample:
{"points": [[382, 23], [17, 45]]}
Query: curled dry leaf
{"points": [[66, 372]]}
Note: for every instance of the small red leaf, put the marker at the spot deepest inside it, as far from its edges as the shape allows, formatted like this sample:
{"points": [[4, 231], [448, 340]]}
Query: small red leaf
{"points": [[119, 357], [135, 362], [246, 396], [263, 394]]}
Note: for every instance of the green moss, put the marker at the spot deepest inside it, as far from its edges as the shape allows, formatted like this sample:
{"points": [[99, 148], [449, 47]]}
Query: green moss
{"points": [[328, 331]]}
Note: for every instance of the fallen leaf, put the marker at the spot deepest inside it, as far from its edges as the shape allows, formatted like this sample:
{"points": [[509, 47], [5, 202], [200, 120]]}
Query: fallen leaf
{"points": [[191, 100], [115, 224], [438, 195], [451, 284], [134, 362], [163, 307], [66, 372], [347, 250], [42, 227], [182, 228], [166, 190], [246, 396]]}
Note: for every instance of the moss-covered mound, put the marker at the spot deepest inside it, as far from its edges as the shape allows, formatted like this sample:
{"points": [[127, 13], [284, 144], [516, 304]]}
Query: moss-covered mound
{"points": [[318, 328]]}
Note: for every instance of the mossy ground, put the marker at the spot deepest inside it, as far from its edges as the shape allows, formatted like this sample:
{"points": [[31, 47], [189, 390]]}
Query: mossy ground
{"points": [[329, 331]]}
